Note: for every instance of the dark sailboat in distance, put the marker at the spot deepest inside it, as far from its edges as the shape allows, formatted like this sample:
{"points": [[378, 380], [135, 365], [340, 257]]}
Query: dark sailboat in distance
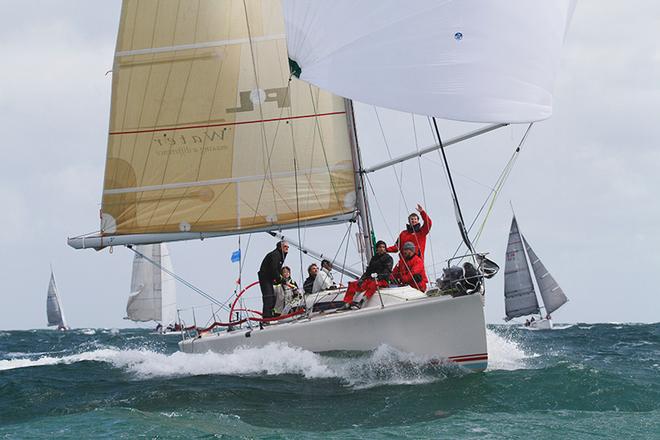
{"points": [[519, 292]]}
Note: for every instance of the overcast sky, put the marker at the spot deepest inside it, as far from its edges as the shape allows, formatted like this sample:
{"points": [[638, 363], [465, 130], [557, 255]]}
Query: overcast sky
{"points": [[585, 187]]}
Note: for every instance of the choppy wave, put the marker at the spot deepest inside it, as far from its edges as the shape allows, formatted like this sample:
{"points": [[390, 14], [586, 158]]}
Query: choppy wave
{"points": [[504, 353], [135, 382], [383, 366]]}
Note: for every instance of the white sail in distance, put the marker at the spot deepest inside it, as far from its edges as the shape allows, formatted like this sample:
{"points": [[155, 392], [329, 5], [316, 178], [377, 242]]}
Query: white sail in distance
{"points": [[467, 60], [153, 291], [519, 295], [54, 311], [209, 134], [552, 295]]}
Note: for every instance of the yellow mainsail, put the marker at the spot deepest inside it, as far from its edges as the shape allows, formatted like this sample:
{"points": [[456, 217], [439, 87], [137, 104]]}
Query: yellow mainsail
{"points": [[208, 133]]}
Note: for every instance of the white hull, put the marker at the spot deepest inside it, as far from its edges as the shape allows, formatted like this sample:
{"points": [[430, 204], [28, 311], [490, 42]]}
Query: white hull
{"points": [[440, 328], [541, 324]]}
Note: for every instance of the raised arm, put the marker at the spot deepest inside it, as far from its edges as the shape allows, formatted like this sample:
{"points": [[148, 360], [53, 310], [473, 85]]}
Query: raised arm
{"points": [[395, 246], [426, 227]]}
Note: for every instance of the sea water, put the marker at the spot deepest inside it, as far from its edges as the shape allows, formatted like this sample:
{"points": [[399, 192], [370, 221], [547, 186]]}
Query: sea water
{"points": [[581, 381]]}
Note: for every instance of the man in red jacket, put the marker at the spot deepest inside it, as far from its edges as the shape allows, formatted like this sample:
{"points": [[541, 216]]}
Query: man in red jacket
{"points": [[410, 268], [415, 233]]}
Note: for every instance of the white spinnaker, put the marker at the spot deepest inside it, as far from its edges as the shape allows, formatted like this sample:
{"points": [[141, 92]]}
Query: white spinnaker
{"points": [[153, 291], [54, 310], [468, 60]]}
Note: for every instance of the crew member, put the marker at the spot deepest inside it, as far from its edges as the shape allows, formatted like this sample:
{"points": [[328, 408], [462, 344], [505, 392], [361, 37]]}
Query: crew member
{"points": [[410, 268], [415, 233], [324, 279], [381, 264], [308, 285], [270, 274]]}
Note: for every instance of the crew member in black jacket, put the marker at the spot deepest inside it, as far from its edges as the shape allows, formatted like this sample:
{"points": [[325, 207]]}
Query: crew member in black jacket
{"points": [[381, 264], [269, 274]]}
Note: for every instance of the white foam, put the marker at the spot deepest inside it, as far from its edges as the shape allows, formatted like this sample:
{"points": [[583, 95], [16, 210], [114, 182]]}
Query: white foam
{"points": [[11, 364], [384, 366], [387, 366], [504, 353]]}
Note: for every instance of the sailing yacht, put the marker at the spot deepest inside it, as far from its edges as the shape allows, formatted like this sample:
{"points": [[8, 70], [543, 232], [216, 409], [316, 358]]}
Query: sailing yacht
{"points": [[236, 117], [54, 310], [153, 289], [519, 292]]}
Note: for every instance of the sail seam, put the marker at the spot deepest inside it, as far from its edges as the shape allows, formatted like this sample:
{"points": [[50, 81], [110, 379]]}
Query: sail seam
{"points": [[113, 133], [217, 43], [338, 167]]}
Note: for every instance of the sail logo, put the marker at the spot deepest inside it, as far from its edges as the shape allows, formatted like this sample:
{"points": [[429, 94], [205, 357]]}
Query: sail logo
{"points": [[207, 136], [248, 98], [180, 144]]}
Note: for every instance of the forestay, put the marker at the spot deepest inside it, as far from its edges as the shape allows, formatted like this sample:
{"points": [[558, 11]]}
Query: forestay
{"points": [[153, 291], [469, 60], [553, 296], [53, 307], [519, 294], [207, 133]]}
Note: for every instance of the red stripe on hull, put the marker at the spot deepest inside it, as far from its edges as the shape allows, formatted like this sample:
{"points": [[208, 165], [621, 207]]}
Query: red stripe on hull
{"points": [[478, 358], [469, 357]]}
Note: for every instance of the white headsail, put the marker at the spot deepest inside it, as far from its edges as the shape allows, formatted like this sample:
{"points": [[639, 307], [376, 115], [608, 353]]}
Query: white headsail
{"points": [[469, 60], [153, 291], [519, 295], [553, 296], [54, 310]]}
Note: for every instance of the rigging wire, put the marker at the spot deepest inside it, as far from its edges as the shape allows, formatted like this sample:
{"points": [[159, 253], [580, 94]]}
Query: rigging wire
{"points": [[181, 280], [389, 153], [380, 210], [421, 179], [503, 178], [457, 207], [495, 190]]}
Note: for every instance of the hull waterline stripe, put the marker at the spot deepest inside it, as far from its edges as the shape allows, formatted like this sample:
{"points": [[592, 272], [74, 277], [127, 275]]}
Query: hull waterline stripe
{"points": [[224, 124], [469, 357], [480, 358]]}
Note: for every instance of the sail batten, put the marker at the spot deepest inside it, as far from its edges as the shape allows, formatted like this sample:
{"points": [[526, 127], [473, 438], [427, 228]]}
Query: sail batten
{"points": [[519, 294], [552, 295], [208, 132], [259, 178]]}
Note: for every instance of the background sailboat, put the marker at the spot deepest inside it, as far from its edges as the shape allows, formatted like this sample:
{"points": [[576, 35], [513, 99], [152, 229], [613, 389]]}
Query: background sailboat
{"points": [[153, 290], [519, 292], [54, 311]]}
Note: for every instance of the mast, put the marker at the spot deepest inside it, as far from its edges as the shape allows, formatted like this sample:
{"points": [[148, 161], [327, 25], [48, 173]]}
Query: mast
{"points": [[364, 216]]}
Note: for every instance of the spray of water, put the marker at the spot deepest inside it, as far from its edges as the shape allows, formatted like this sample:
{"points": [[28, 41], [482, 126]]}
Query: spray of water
{"points": [[383, 366]]}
